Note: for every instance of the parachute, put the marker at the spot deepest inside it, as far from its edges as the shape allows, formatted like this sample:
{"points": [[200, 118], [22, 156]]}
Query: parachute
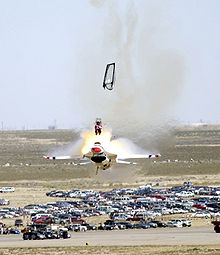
{"points": [[109, 77]]}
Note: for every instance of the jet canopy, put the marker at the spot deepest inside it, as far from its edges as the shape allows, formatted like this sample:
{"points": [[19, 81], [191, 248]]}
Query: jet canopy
{"points": [[109, 77]]}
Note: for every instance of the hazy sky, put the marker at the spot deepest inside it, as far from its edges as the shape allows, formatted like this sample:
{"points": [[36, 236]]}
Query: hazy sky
{"points": [[46, 45]]}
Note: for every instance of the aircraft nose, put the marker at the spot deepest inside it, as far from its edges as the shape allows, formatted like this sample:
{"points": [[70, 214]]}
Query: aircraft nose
{"points": [[96, 149]]}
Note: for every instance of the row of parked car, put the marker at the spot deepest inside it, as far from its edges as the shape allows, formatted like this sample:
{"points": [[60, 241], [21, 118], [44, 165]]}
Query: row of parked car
{"points": [[10, 212], [145, 224], [126, 208]]}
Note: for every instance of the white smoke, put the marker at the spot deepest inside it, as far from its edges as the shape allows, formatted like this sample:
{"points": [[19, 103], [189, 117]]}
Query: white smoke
{"points": [[148, 77]]}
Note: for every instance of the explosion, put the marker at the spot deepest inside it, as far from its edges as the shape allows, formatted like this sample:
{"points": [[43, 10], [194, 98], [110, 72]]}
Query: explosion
{"points": [[90, 138], [120, 146]]}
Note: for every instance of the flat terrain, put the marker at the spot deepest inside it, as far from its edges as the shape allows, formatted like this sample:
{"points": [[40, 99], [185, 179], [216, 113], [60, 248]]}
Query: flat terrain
{"points": [[189, 154], [115, 250], [168, 236]]}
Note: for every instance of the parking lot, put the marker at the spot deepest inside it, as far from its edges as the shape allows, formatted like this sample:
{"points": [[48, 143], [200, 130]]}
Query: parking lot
{"points": [[134, 210]]}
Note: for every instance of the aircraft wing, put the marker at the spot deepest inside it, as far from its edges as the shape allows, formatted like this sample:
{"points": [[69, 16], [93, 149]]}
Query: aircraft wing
{"points": [[58, 157], [138, 156], [68, 157], [125, 162], [82, 163], [134, 156]]}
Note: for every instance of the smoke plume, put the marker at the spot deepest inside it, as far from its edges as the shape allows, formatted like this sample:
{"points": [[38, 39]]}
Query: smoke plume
{"points": [[148, 76]]}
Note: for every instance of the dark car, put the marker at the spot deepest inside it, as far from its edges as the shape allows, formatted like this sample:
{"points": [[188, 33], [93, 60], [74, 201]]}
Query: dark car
{"points": [[90, 226], [14, 231], [52, 235], [78, 220], [34, 235], [64, 234], [135, 218], [159, 223], [127, 225], [18, 222], [141, 225]]}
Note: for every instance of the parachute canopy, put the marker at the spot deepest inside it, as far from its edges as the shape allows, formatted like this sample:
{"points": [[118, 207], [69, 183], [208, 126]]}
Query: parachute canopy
{"points": [[109, 77]]}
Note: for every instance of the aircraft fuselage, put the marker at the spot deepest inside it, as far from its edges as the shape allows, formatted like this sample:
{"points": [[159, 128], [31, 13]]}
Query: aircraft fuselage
{"points": [[100, 158]]}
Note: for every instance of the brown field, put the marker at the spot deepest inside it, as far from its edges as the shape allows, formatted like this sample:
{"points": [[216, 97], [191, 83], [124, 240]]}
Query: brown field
{"points": [[192, 155], [116, 250]]}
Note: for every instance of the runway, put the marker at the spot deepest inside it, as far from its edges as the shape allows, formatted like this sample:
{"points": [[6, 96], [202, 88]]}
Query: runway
{"points": [[168, 236]]}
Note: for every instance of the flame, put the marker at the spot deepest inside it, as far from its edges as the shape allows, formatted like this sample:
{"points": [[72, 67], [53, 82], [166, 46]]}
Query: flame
{"points": [[90, 138], [122, 147]]}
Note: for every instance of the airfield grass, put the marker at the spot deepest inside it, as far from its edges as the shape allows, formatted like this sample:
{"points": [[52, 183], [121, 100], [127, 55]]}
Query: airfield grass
{"points": [[193, 151], [117, 250]]}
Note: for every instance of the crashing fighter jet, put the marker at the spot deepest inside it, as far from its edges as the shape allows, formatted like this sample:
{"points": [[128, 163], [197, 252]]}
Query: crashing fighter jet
{"points": [[103, 159]]}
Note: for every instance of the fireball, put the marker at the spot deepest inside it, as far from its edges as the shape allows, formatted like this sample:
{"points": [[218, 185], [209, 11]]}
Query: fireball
{"points": [[90, 138]]}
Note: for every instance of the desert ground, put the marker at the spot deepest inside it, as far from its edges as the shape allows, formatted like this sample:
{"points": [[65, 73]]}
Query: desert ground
{"points": [[188, 154]]}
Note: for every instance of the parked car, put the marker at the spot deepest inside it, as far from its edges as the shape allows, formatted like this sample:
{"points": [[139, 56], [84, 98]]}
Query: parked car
{"points": [[202, 214], [159, 223], [78, 227], [18, 222], [141, 225], [7, 189], [127, 225], [152, 224], [174, 223], [4, 201], [13, 231], [186, 223], [216, 226], [90, 226]]}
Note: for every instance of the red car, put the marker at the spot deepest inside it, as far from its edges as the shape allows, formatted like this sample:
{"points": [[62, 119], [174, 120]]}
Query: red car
{"points": [[80, 221], [199, 206], [158, 196], [43, 220]]}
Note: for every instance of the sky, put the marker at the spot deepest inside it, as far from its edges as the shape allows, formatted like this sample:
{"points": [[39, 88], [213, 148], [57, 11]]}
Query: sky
{"points": [[53, 55]]}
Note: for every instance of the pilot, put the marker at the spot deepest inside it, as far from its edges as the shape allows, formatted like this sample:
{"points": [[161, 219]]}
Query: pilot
{"points": [[98, 128]]}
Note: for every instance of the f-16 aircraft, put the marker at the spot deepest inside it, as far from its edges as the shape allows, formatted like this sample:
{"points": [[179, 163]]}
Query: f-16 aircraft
{"points": [[103, 159]]}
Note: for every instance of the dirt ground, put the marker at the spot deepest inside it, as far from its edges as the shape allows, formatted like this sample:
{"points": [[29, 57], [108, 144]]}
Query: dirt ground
{"points": [[201, 240], [116, 250]]}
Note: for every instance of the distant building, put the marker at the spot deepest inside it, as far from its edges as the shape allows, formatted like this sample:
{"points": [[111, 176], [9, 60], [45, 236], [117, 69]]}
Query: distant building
{"points": [[52, 127], [200, 124]]}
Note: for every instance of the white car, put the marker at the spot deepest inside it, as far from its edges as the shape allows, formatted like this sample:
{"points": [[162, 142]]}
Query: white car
{"points": [[7, 189], [175, 224], [201, 215], [4, 201], [184, 194], [78, 227], [215, 214]]}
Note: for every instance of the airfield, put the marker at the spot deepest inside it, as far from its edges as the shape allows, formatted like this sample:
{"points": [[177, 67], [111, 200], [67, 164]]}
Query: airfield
{"points": [[188, 154]]}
